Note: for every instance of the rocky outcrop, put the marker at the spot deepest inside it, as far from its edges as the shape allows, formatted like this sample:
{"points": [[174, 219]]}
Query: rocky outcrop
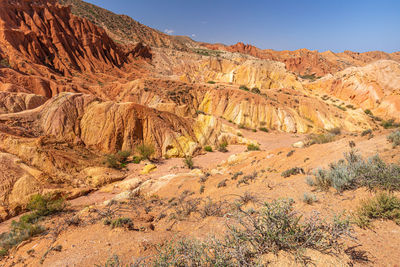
{"points": [[375, 87], [227, 68], [16, 102]]}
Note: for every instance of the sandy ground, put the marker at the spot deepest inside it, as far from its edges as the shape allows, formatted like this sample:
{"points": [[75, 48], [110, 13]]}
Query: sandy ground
{"points": [[93, 243]]}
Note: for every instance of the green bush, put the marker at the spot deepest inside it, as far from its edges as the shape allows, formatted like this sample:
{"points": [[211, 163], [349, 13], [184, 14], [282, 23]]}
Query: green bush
{"points": [[211, 82], [41, 206], [112, 162], [394, 138], [353, 172], [255, 90], [27, 227], [366, 132], [188, 161], [223, 147], [122, 156], [208, 149], [253, 147], [292, 171], [244, 87], [390, 124], [368, 112], [145, 151], [120, 222], [383, 206], [264, 129], [253, 233]]}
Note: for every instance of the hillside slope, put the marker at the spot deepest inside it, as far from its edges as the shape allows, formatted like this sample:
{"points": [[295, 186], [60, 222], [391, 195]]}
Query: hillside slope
{"points": [[126, 30]]}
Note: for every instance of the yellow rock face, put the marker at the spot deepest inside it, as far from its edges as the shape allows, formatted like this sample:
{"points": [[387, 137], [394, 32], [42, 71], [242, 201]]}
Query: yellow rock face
{"points": [[229, 68], [148, 168]]}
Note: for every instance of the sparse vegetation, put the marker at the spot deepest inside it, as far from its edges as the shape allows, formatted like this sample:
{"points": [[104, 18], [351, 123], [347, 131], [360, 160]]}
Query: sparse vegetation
{"points": [[353, 172], [208, 149], [145, 151], [394, 138], [244, 87], [236, 175], [309, 198], [319, 138], [188, 161], [264, 129], [368, 112], [27, 226], [390, 124], [223, 147], [254, 233], [335, 131], [120, 222], [292, 171], [383, 206], [253, 147], [4, 62], [222, 183], [211, 82], [366, 132], [255, 90], [310, 77]]}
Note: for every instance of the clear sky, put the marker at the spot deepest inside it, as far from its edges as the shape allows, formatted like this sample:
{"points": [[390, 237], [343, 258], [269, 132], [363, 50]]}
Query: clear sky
{"points": [[337, 25]]}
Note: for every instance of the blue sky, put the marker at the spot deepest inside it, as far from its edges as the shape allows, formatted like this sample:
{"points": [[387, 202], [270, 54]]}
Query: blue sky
{"points": [[357, 25]]}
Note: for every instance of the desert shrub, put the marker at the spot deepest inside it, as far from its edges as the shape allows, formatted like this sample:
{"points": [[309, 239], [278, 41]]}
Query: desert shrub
{"points": [[236, 175], [273, 228], [366, 132], [222, 147], [368, 112], [292, 171], [188, 161], [394, 138], [247, 178], [244, 87], [222, 183], [27, 227], [212, 208], [353, 172], [112, 162], [255, 90], [319, 138], [122, 156], [383, 206], [242, 126], [335, 131], [202, 188], [145, 151], [41, 206], [120, 222], [211, 82], [309, 198], [253, 147], [19, 232], [5, 62], [264, 129], [254, 130], [208, 149], [389, 124]]}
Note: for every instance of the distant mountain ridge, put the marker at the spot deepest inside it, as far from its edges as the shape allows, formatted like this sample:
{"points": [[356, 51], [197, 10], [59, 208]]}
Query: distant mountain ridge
{"points": [[307, 62]]}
